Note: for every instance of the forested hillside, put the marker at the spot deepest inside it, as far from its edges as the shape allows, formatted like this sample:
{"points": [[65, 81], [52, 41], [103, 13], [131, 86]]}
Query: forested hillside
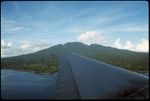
{"points": [[47, 60]]}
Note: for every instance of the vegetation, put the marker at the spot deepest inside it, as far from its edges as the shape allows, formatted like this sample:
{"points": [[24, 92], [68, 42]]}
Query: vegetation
{"points": [[32, 65], [47, 60], [134, 61]]}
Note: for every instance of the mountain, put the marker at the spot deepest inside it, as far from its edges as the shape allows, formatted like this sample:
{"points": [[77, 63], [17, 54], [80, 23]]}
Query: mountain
{"points": [[47, 60]]}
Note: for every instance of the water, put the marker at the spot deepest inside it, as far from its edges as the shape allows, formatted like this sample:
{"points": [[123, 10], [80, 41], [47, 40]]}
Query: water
{"points": [[24, 85]]}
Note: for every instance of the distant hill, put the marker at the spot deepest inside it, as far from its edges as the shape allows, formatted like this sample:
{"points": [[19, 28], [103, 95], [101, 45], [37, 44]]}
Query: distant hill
{"points": [[47, 60]]}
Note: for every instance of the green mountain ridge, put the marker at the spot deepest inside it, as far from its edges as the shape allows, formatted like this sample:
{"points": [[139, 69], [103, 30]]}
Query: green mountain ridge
{"points": [[47, 60]]}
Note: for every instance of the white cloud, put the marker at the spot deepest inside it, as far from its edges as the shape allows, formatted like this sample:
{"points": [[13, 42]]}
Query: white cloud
{"points": [[90, 37], [28, 47], [128, 45], [142, 46], [117, 43], [24, 47], [5, 45], [2, 42], [9, 44]]}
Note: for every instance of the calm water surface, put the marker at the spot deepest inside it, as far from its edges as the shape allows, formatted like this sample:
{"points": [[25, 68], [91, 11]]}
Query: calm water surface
{"points": [[24, 85]]}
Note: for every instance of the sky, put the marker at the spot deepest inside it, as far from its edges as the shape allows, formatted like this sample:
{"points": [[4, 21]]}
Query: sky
{"points": [[30, 26]]}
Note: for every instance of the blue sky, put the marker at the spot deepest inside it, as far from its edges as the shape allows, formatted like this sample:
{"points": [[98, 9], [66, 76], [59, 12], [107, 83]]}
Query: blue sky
{"points": [[41, 24]]}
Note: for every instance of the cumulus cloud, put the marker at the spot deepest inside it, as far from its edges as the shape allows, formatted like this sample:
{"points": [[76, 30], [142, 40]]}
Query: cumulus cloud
{"points": [[142, 46], [129, 45], [117, 43], [28, 47], [90, 37], [24, 47], [5, 45]]}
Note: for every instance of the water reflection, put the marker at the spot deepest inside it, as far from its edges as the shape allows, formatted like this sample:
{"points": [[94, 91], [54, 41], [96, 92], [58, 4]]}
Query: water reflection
{"points": [[24, 85]]}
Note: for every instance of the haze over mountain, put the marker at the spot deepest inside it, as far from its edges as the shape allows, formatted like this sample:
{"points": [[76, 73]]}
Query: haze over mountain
{"points": [[48, 59]]}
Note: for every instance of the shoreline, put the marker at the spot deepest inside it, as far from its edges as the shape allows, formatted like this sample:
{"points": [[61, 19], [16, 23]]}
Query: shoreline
{"points": [[30, 71]]}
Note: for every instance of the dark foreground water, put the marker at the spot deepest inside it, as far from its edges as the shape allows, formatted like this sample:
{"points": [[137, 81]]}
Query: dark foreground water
{"points": [[25, 85]]}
